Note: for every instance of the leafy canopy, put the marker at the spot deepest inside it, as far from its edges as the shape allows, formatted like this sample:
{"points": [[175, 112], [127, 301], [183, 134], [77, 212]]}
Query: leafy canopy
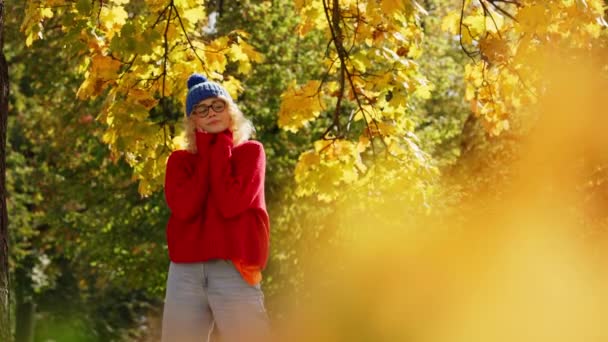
{"points": [[137, 55]]}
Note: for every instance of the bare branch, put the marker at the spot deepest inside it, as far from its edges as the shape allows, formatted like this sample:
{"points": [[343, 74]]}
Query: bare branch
{"points": [[487, 12], [162, 14], [333, 24], [179, 18], [467, 52], [334, 27], [501, 10], [166, 53]]}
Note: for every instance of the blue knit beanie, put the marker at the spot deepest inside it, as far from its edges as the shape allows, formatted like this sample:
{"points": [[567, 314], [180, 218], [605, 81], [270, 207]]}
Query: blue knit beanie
{"points": [[199, 89]]}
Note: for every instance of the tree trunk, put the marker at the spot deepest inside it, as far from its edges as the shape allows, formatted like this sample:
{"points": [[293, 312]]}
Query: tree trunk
{"points": [[5, 326]]}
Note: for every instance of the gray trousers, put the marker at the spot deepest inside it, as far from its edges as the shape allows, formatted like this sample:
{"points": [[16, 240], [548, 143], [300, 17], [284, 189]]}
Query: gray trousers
{"points": [[203, 295]]}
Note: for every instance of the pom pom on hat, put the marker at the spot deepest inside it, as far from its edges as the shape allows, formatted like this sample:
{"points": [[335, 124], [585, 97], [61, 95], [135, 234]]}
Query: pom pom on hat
{"points": [[195, 79], [200, 88]]}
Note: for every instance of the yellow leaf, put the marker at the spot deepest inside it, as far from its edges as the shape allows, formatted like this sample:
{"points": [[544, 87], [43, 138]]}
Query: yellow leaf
{"points": [[109, 137], [306, 26], [29, 39], [466, 37], [46, 13], [244, 68], [182, 3], [214, 54], [494, 49], [358, 116], [415, 51], [473, 74], [533, 19], [391, 6], [476, 25], [233, 86], [360, 61], [195, 14], [321, 145], [593, 29], [251, 53], [313, 16], [143, 97], [241, 33], [494, 21], [451, 22], [299, 105], [236, 53], [386, 128], [104, 67], [399, 99], [113, 18], [299, 4], [363, 144], [307, 161]]}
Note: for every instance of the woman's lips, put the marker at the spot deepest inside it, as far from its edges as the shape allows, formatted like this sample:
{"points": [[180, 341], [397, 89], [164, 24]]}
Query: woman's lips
{"points": [[213, 122]]}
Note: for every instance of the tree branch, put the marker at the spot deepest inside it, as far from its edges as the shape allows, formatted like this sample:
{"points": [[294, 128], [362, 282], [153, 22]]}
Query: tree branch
{"points": [[179, 18]]}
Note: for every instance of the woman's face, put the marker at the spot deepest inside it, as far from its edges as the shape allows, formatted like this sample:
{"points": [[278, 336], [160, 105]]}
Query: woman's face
{"points": [[211, 115]]}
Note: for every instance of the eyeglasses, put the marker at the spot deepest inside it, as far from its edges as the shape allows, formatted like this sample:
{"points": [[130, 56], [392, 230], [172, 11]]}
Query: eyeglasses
{"points": [[202, 110]]}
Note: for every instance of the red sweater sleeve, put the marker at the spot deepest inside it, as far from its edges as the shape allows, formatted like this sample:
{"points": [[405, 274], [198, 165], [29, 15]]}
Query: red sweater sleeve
{"points": [[236, 183], [186, 184]]}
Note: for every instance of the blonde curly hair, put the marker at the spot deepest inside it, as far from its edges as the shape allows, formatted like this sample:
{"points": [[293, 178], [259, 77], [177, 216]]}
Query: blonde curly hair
{"points": [[241, 127]]}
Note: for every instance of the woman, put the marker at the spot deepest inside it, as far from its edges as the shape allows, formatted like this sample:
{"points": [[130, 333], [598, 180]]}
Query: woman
{"points": [[218, 232]]}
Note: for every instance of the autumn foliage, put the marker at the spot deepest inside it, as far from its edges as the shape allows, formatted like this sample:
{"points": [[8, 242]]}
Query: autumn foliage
{"points": [[416, 149]]}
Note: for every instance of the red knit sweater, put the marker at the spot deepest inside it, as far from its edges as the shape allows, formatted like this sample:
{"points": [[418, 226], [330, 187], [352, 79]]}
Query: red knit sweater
{"points": [[216, 197]]}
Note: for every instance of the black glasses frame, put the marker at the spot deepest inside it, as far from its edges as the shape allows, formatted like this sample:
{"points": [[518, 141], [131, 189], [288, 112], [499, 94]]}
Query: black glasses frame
{"points": [[202, 110]]}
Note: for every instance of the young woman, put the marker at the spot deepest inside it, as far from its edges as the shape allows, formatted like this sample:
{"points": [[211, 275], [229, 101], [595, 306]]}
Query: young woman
{"points": [[218, 232]]}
